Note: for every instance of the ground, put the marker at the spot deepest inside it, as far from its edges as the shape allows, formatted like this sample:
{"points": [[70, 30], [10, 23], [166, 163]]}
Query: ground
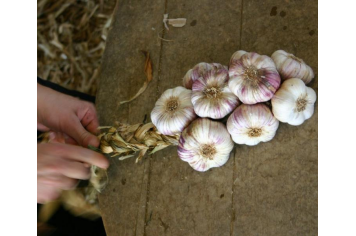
{"points": [[269, 189]]}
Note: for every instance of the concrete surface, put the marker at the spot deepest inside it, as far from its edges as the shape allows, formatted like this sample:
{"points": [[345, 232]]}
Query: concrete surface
{"points": [[269, 189]]}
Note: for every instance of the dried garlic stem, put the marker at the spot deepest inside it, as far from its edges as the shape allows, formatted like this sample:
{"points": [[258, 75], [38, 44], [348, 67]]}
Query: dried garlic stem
{"points": [[124, 141]]}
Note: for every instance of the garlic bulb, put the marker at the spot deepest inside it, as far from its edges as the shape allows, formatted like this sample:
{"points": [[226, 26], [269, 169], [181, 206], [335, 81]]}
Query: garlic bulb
{"points": [[252, 124], [211, 96], [237, 55], [253, 78], [205, 144], [294, 102], [198, 71], [290, 66], [173, 111]]}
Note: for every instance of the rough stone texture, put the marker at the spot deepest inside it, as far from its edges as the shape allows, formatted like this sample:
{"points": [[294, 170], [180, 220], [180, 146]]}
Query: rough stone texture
{"points": [[269, 189]]}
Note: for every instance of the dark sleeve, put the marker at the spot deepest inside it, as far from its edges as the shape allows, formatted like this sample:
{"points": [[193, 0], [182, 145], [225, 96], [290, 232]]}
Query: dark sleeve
{"points": [[58, 88]]}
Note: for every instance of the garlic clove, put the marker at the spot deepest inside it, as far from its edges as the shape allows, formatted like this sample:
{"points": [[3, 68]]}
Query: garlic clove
{"points": [[252, 124], [237, 55], [218, 66], [309, 110], [253, 78], [187, 79], [290, 66], [294, 102], [211, 96], [198, 71], [173, 111], [205, 144]]}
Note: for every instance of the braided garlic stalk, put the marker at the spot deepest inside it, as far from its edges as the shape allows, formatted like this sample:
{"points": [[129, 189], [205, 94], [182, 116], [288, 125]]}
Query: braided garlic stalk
{"points": [[123, 141]]}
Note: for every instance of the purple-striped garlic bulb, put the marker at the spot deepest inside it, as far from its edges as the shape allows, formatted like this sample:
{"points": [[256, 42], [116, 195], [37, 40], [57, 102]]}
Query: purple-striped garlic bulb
{"points": [[294, 102], [211, 96], [237, 55], [198, 71], [205, 144], [290, 66], [252, 124], [173, 111], [253, 78]]}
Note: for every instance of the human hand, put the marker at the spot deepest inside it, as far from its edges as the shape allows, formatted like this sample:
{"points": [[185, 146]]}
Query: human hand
{"points": [[60, 166], [71, 116]]}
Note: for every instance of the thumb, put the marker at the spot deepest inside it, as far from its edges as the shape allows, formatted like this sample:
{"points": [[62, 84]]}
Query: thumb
{"points": [[80, 134]]}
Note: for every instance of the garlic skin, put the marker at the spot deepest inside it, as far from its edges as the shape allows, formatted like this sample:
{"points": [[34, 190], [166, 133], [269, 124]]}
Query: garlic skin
{"points": [[253, 78], [252, 124], [198, 71], [290, 66], [211, 96], [205, 144], [294, 102], [237, 55], [173, 111]]}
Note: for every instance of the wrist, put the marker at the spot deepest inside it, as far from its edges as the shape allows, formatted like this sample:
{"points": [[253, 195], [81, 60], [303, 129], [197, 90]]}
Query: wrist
{"points": [[45, 98]]}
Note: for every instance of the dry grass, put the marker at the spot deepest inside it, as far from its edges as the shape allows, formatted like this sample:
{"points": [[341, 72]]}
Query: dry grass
{"points": [[71, 38]]}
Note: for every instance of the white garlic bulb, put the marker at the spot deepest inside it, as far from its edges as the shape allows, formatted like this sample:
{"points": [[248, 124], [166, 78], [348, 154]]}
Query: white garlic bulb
{"points": [[205, 144], [173, 111], [252, 124], [211, 96], [237, 55], [253, 78], [198, 71], [294, 102], [290, 66]]}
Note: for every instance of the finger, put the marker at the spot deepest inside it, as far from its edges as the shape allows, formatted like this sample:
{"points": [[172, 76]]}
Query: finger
{"points": [[66, 167], [74, 170], [80, 154], [57, 181], [93, 127], [90, 119], [42, 127], [46, 193], [76, 130]]}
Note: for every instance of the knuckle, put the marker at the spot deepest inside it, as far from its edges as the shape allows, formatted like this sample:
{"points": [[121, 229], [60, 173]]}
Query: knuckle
{"points": [[90, 112]]}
